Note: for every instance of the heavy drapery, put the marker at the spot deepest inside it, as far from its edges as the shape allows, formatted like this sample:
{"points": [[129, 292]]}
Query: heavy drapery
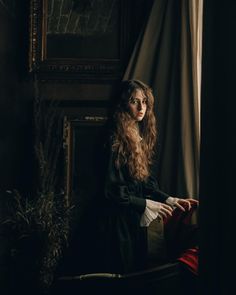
{"points": [[167, 56]]}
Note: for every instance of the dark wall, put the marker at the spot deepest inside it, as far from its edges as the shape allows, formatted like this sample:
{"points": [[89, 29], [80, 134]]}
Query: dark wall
{"points": [[15, 124], [17, 134], [17, 93], [217, 175], [14, 115]]}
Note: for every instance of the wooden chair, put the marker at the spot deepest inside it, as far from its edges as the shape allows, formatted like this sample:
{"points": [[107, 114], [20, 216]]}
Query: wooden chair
{"points": [[165, 278]]}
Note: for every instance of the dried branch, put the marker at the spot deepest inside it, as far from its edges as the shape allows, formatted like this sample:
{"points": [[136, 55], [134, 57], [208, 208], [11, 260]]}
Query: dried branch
{"points": [[46, 215]]}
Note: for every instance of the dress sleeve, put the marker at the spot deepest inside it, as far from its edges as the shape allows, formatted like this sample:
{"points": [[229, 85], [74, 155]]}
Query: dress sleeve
{"points": [[117, 190], [151, 188]]}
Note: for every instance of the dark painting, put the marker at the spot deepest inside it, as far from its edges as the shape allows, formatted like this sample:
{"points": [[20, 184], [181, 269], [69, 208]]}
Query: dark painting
{"points": [[83, 29], [79, 39]]}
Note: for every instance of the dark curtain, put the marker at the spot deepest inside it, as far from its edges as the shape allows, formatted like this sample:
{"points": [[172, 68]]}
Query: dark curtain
{"points": [[163, 58], [218, 149]]}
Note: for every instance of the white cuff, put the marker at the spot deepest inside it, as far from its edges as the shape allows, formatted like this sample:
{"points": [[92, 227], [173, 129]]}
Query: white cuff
{"points": [[147, 217]]}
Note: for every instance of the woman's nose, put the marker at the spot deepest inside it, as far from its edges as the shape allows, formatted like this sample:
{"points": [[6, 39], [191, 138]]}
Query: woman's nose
{"points": [[140, 106]]}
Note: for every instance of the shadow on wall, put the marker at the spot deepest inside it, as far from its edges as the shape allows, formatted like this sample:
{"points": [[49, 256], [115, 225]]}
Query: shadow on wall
{"points": [[15, 109], [15, 129]]}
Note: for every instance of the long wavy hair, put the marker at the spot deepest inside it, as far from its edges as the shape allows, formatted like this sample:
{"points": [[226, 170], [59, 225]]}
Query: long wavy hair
{"points": [[134, 142]]}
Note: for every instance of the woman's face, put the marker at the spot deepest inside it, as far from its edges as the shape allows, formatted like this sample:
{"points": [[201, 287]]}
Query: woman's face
{"points": [[137, 105]]}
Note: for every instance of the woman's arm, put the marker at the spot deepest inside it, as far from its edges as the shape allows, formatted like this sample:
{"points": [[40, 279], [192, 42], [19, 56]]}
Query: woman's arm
{"points": [[151, 188], [117, 190]]}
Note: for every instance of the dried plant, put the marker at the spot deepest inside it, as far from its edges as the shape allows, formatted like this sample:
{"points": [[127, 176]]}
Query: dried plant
{"points": [[45, 220], [44, 216]]}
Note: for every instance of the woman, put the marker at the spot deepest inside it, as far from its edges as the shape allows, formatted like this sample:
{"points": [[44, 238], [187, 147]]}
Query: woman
{"points": [[132, 198]]}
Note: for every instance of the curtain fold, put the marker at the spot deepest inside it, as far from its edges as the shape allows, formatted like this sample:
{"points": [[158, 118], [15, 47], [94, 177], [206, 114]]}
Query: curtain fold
{"points": [[167, 56], [190, 58]]}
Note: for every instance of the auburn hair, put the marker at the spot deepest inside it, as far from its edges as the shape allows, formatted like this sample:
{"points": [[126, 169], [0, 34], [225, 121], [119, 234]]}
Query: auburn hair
{"points": [[133, 141]]}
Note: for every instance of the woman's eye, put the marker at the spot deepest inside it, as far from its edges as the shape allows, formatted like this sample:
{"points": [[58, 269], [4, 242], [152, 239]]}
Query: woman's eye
{"points": [[134, 101], [137, 101]]}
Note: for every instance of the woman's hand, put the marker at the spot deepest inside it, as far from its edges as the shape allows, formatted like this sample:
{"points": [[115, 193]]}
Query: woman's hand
{"points": [[161, 209], [182, 204], [155, 210]]}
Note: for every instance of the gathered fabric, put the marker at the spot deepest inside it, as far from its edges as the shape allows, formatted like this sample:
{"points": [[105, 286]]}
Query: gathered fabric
{"points": [[181, 237]]}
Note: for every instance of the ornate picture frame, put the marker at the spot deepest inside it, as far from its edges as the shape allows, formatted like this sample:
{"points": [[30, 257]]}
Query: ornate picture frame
{"points": [[78, 39], [82, 136]]}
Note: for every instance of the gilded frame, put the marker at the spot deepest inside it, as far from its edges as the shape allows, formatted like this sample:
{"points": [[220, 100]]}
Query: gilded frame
{"points": [[77, 132], [44, 60]]}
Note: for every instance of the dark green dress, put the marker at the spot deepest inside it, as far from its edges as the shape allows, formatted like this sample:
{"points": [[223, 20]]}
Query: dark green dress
{"points": [[121, 241]]}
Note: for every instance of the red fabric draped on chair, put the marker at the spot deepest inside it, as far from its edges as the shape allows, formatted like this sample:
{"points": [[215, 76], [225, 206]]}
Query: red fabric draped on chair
{"points": [[182, 238]]}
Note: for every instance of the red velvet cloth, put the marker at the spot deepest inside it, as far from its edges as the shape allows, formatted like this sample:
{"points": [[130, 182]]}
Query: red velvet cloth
{"points": [[190, 259], [182, 238]]}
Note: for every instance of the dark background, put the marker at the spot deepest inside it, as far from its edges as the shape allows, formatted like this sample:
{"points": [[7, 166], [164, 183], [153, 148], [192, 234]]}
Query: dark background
{"points": [[217, 173]]}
